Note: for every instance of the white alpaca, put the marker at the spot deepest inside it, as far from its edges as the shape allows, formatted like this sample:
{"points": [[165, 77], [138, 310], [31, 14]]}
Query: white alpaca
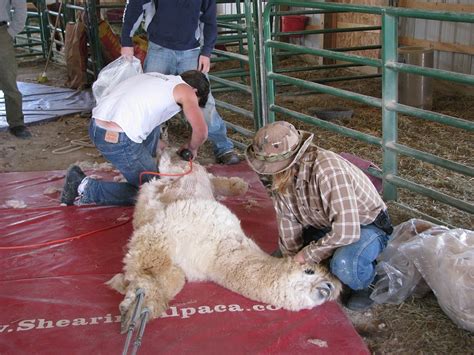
{"points": [[181, 232]]}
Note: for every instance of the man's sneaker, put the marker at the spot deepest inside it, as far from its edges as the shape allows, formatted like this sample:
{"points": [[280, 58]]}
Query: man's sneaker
{"points": [[359, 300], [74, 176], [20, 132], [229, 158]]}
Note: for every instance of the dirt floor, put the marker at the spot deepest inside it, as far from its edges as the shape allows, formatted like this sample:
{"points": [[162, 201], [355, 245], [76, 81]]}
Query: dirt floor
{"points": [[415, 326]]}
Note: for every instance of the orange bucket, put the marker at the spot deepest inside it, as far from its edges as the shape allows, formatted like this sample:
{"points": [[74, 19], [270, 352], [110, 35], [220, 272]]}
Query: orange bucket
{"points": [[293, 23]]}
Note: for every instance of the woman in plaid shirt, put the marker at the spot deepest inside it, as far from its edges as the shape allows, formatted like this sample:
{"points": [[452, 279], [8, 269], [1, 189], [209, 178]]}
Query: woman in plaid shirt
{"points": [[327, 208]]}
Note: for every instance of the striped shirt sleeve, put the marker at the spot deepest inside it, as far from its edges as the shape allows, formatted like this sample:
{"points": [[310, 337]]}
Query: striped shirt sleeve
{"points": [[290, 230], [339, 200]]}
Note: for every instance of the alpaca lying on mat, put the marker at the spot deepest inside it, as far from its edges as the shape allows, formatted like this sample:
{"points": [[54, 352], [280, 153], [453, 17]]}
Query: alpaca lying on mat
{"points": [[181, 232]]}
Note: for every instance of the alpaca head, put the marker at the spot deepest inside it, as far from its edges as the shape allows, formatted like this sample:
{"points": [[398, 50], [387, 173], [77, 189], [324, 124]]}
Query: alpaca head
{"points": [[310, 286]]}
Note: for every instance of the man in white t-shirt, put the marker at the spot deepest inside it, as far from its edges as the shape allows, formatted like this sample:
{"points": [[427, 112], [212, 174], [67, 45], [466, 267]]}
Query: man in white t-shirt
{"points": [[125, 129]]}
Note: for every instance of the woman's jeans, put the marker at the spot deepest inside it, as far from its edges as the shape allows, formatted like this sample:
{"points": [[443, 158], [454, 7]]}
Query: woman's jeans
{"points": [[174, 62], [129, 158], [354, 264]]}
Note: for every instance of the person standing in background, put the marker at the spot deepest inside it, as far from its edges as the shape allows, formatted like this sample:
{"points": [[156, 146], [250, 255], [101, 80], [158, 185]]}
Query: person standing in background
{"points": [[12, 21], [174, 29]]}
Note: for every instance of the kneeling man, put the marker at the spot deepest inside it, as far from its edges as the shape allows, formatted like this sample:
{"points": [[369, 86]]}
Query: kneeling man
{"points": [[125, 128]]}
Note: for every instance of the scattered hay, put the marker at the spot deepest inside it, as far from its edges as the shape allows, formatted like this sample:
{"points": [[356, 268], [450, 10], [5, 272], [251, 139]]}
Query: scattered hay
{"points": [[52, 190], [251, 204], [87, 165], [15, 204], [419, 324], [318, 342]]}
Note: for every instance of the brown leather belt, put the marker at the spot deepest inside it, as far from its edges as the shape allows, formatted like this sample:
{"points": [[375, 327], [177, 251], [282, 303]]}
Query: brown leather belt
{"points": [[383, 222]]}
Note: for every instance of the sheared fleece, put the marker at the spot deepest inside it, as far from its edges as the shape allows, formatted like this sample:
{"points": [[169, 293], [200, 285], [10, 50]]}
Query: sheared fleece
{"points": [[173, 24]]}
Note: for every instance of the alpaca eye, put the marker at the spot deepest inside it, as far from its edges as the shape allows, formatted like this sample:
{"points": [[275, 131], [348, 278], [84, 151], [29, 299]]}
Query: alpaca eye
{"points": [[309, 271]]}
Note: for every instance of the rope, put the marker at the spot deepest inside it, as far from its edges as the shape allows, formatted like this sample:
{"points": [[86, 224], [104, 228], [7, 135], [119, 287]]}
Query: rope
{"points": [[74, 144]]}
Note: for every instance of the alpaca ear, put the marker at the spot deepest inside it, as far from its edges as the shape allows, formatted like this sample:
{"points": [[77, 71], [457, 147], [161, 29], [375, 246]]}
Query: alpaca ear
{"points": [[223, 186], [118, 283]]}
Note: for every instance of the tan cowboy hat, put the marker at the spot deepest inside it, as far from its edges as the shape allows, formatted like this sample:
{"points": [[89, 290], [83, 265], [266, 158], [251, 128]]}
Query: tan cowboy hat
{"points": [[276, 147]]}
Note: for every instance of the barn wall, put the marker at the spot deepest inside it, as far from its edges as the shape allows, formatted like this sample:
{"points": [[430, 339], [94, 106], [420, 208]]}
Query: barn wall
{"points": [[453, 42]]}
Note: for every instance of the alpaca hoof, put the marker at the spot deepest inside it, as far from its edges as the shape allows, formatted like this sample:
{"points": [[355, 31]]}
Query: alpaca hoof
{"points": [[125, 318], [130, 310], [124, 321]]}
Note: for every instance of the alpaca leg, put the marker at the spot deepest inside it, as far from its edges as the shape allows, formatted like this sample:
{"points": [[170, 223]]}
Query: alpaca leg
{"points": [[157, 292], [148, 266], [118, 283], [146, 258]]}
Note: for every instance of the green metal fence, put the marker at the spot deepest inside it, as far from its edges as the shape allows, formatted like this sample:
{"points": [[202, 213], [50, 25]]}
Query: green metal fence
{"points": [[253, 39], [237, 33], [389, 105]]}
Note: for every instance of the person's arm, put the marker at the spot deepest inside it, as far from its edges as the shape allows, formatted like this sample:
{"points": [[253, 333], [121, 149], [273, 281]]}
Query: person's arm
{"points": [[185, 95], [204, 64], [18, 18], [290, 230], [209, 21], [132, 18], [340, 202]]}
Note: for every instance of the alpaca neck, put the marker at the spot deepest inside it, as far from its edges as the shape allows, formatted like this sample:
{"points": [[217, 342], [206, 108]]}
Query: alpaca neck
{"points": [[252, 273]]}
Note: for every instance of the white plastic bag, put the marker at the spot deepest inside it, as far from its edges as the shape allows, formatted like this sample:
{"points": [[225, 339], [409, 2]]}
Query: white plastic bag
{"points": [[446, 261], [398, 277], [114, 73], [421, 256]]}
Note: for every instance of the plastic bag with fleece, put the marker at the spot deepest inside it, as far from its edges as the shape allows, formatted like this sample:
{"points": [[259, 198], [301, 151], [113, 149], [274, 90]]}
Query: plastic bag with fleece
{"points": [[113, 74]]}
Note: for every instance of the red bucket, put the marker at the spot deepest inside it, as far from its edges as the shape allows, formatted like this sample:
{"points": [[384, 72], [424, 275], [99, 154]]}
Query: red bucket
{"points": [[293, 23], [115, 15]]}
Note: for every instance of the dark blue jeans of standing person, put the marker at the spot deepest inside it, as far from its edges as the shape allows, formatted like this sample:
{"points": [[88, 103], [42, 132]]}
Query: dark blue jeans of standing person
{"points": [[129, 158], [354, 264]]}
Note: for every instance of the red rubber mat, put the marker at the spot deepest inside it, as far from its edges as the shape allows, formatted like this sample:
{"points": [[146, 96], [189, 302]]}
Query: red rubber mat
{"points": [[53, 299]]}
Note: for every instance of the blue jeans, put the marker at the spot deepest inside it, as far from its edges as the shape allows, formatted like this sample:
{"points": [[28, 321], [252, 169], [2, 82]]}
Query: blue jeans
{"points": [[129, 158], [354, 264], [174, 62]]}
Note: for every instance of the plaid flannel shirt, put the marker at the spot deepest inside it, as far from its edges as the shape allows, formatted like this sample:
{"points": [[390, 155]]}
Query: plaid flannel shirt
{"points": [[328, 192]]}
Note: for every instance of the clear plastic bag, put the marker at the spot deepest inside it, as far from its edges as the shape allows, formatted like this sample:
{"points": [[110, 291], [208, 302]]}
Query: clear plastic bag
{"points": [[397, 275], [114, 73], [420, 257], [445, 259]]}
